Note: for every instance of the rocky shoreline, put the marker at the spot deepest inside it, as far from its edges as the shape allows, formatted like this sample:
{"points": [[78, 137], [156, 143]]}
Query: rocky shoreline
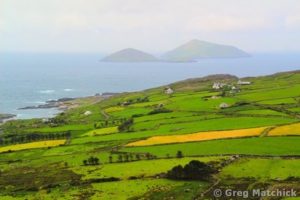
{"points": [[49, 104], [4, 117], [68, 103]]}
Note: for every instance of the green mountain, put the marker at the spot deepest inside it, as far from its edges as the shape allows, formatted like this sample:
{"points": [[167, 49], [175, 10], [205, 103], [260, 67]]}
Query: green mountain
{"points": [[130, 55], [196, 49]]}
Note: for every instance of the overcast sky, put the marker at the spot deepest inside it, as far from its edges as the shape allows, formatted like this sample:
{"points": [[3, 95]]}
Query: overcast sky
{"points": [[152, 25]]}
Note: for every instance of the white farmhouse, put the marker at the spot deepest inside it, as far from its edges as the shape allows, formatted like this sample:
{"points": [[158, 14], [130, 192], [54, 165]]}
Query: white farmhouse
{"points": [[218, 85], [169, 90]]}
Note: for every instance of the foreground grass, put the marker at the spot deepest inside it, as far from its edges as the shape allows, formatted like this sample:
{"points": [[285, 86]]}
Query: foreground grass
{"points": [[127, 189]]}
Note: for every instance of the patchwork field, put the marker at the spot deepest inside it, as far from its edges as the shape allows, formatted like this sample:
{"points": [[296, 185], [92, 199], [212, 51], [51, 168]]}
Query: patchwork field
{"points": [[143, 145]]}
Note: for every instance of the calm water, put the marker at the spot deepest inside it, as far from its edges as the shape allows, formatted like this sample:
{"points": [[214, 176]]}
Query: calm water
{"points": [[31, 79]]}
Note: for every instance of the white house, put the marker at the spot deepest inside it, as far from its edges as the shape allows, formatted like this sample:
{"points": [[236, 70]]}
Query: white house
{"points": [[218, 85], [169, 90]]}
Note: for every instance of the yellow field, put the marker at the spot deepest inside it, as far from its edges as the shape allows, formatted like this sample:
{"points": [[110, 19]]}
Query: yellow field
{"points": [[201, 136], [114, 109], [102, 131], [32, 145], [292, 129]]}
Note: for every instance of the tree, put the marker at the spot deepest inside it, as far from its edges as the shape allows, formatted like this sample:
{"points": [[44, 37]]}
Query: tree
{"points": [[194, 170], [125, 126], [96, 161], [176, 172], [137, 156], [148, 156], [110, 159], [131, 157], [120, 158], [91, 160], [179, 154], [85, 162], [126, 157]]}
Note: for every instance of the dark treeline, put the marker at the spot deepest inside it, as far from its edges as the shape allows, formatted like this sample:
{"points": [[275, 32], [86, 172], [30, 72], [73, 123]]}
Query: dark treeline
{"points": [[31, 137]]}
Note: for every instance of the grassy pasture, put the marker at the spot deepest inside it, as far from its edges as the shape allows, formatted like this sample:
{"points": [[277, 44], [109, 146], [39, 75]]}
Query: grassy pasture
{"points": [[273, 168], [198, 104], [102, 131], [272, 94], [32, 145], [249, 146], [279, 101], [143, 168], [74, 127], [261, 112], [201, 136]]}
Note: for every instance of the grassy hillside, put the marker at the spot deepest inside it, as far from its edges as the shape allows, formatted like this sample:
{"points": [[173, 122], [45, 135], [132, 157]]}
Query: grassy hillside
{"points": [[247, 132]]}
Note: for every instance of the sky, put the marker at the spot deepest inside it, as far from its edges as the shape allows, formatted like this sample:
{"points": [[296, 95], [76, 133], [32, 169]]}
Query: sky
{"points": [[154, 26]]}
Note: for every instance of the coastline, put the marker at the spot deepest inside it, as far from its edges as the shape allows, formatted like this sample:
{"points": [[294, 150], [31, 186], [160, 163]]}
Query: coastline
{"points": [[66, 103], [6, 117]]}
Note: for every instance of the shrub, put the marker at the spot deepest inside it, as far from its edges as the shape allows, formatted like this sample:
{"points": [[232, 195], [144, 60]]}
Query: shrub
{"points": [[194, 170], [159, 110]]}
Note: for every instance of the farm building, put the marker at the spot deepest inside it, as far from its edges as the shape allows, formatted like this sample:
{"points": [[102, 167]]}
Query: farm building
{"points": [[169, 90], [218, 85]]}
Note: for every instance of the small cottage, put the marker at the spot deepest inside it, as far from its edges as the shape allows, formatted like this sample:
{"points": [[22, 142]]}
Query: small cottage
{"points": [[169, 90], [218, 85]]}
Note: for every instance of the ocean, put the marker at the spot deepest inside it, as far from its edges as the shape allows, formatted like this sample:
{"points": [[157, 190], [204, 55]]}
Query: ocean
{"points": [[31, 79]]}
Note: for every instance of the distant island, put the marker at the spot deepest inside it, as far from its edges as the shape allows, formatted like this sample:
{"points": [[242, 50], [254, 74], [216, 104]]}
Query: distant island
{"points": [[190, 52], [197, 49], [130, 55]]}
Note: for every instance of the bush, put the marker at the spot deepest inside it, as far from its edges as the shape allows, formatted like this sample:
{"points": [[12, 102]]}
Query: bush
{"points": [[126, 125], [159, 110], [194, 170]]}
